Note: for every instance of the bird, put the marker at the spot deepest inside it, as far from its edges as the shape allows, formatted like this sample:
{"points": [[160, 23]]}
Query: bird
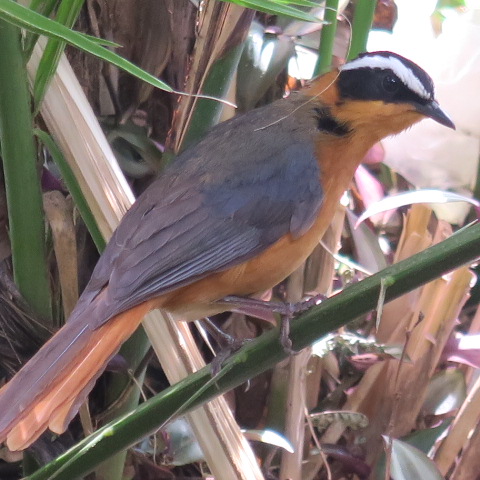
{"points": [[233, 215]]}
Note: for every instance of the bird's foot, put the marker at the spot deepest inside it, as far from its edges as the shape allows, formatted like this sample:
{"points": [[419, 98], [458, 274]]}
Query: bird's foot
{"points": [[265, 310], [228, 345]]}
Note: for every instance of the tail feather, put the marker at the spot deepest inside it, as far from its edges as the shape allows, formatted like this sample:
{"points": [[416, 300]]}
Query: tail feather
{"points": [[50, 388]]}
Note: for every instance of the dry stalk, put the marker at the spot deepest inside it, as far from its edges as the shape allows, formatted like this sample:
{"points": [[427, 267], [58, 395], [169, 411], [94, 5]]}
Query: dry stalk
{"points": [[59, 213], [468, 464], [391, 393], [303, 380], [220, 26], [465, 421]]}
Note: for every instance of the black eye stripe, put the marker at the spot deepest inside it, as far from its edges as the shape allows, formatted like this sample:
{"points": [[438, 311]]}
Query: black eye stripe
{"points": [[410, 74], [391, 83], [375, 84]]}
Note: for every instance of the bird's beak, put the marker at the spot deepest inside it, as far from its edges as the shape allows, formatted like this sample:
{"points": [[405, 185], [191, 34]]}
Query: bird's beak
{"points": [[432, 110]]}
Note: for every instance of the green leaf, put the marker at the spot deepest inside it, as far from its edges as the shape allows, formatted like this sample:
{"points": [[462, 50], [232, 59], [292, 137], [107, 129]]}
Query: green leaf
{"points": [[408, 462], [446, 392], [22, 183], [279, 8], [136, 153], [67, 14], [263, 58], [301, 3], [425, 439], [45, 8], [422, 440]]}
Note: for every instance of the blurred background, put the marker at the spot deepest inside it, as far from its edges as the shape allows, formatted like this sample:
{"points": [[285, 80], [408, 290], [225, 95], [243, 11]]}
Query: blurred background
{"points": [[395, 393]]}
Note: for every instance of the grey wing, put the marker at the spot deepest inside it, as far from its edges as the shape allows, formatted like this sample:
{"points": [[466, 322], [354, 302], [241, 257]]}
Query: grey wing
{"points": [[205, 224]]}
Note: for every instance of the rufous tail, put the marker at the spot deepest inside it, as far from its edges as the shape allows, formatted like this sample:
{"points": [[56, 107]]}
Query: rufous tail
{"points": [[48, 391]]}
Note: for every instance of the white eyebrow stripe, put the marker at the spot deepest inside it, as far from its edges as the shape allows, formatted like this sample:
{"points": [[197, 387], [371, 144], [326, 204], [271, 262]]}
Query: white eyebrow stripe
{"points": [[404, 73]]}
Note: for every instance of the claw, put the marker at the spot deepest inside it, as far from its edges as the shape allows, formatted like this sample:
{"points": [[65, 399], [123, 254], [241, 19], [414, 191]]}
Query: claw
{"points": [[266, 310]]}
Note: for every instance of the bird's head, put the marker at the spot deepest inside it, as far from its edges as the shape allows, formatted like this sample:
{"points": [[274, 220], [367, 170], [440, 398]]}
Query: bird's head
{"points": [[379, 94]]}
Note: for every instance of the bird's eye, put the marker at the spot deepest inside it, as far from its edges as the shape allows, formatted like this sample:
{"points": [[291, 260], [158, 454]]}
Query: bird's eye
{"points": [[390, 83]]}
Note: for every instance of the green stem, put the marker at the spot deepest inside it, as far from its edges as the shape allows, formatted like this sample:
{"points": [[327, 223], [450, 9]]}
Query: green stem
{"points": [[262, 353], [327, 38], [24, 198], [362, 23]]}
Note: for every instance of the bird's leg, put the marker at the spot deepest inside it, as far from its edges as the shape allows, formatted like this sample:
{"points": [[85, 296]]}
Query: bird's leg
{"points": [[227, 343], [265, 310], [220, 336]]}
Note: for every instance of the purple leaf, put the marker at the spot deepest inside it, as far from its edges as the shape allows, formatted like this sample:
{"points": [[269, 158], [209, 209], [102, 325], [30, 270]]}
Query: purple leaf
{"points": [[463, 349]]}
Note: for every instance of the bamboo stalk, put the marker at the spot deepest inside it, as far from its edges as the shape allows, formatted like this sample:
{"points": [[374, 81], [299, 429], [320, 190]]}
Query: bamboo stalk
{"points": [[362, 22], [327, 38]]}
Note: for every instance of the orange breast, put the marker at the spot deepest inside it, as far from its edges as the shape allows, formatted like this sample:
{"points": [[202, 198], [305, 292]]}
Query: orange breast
{"points": [[282, 258]]}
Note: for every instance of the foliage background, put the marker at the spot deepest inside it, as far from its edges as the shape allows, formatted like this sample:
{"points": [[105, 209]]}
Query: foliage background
{"points": [[401, 382]]}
